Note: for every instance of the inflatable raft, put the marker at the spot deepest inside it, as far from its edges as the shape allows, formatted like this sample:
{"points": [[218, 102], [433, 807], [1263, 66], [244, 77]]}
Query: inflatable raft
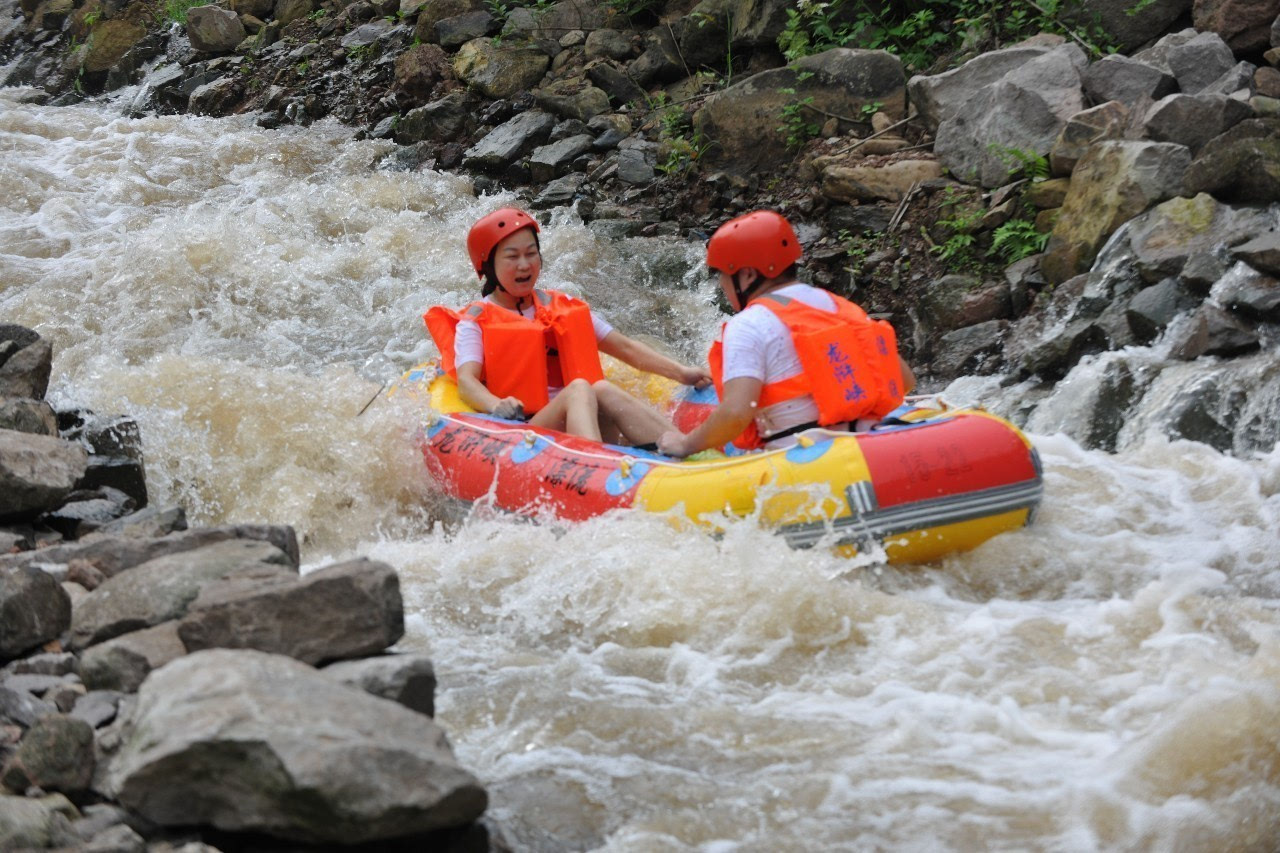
{"points": [[927, 482]]}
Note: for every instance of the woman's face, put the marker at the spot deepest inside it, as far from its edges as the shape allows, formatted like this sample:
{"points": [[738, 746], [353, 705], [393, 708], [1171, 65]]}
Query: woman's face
{"points": [[516, 263]]}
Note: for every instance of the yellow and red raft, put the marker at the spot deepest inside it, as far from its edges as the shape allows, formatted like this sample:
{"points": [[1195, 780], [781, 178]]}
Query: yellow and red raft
{"points": [[927, 482]]}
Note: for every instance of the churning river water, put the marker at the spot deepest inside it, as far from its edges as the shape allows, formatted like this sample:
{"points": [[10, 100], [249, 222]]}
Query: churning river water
{"points": [[1107, 679]]}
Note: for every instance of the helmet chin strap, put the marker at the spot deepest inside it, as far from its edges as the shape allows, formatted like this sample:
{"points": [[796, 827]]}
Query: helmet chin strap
{"points": [[519, 299], [744, 293]]}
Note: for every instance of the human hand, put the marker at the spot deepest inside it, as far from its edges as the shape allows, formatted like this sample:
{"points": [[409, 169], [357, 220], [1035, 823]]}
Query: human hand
{"points": [[698, 377], [673, 443], [510, 408]]}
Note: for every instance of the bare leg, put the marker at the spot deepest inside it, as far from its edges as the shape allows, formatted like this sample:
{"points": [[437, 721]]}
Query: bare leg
{"points": [[574, 411], [632, 419]]}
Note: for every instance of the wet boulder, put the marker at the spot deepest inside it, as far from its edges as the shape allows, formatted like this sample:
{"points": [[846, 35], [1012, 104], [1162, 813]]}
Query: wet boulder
{"points": [[439, 121], [548, 162], [346, 610], [1163, 239], [36, 472], [1153, 308], [409, 679], [1261, 253], [246, 741], [34, 609], [164, 588], [26, 360], [972, 350], [25, 415], [742, 121], [1112, 183], [1023, 111], [1212, 330], [115, 457], [1249, 293]]}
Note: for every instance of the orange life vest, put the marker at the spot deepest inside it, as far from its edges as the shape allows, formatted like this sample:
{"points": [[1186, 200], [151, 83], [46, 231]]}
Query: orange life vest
{"points": [[850, 363], [523, 356]]}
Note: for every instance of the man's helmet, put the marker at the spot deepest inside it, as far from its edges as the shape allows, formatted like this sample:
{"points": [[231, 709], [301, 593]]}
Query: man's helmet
{"points": [[762, 240]]}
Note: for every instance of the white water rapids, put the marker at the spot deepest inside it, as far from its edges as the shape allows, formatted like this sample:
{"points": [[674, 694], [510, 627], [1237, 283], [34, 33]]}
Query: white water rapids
{"points": [[1107, 679]]}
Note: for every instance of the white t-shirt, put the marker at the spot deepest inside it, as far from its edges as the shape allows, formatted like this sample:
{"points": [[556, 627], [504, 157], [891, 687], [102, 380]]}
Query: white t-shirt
{"points": [[468, 342], [758, 345]]}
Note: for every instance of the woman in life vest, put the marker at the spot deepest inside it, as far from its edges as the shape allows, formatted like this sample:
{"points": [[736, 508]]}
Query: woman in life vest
{"points": [[525, 353], [793, 357]]}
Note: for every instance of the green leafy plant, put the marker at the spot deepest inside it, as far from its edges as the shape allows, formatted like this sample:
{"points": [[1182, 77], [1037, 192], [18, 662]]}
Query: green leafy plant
{"points": [[92, 18], [962, 224], [359, 52], [797, 122], [1027, 164], [1016, 239], [175, 11], [317, 14]]}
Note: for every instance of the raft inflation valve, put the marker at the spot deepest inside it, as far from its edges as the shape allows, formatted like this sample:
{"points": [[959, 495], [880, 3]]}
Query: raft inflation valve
{"points": [[624, 465], [530, 437], [804, 441]]}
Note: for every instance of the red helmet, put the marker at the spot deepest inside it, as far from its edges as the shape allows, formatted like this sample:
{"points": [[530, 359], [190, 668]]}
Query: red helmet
{"points": [[491, 230], [762, 240]]}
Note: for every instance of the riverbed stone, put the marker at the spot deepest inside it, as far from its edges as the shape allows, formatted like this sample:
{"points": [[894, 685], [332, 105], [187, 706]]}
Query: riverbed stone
{"points": [[342, 611], [26, 415], [1244, 26], [573, 98], [36, 823], [56, 754], [1165, 237], [114, 553], [439, 121], [1153, 308], [973, 350], [1248, 293], [408, 679], [213, 29], [548, 162], [247, 741], [1127, 80], [420, 69], [34, 609], [123, 663], [509, 141], [1105, 121], [164, 588], [1115, 181], [26, 361], [1212, 330], [1261, 253]]}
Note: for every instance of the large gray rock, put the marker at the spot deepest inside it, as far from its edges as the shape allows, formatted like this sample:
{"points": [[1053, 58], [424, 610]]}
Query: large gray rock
{"points": [[1199, 61], [573, 98], [1129, 81], [26, 360], [1127, 24], [36, 472], [1212, 330], [1023, 111], [442, 120], [342, 611], [1245, 26], [1105, 121], [124, 662], [36, 823], [164, 588], [1249, 293], [409, 679], [34, 609], [56, 754], [247, 741], [1114, 182], [213, 29], [25, 415], [1193, 120], [509, 141], [113, 553], [938, 97], [110, 42], [743, 122], [549, 162], [1164, 238], [1241, 165], [499, 71], [1261, 253]]}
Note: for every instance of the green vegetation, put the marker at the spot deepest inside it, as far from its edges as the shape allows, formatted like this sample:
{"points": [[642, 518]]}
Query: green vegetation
{"points": [[1015, 240], [923, 33], [682, 145], [1022, 163], [175, 11]]}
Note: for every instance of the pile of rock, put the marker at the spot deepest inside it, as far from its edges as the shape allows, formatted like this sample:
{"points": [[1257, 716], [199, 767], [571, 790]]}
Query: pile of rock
{"points": [[163, 685]]}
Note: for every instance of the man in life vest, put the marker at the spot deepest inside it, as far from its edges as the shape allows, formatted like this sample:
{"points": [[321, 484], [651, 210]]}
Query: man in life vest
{"points": [[793, 357], [523, 353]]}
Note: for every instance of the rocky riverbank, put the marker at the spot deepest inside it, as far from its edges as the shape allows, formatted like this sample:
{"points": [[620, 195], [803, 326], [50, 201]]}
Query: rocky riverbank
{"points": [[167, 688], [968, 203]]}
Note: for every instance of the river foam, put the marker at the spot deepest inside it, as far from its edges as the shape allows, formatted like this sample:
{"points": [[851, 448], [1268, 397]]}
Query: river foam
{"points": [[1107, 679]]}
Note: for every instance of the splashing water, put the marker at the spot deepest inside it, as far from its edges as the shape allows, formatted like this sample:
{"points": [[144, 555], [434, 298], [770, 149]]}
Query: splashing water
{"points": [[1108, 679]]}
